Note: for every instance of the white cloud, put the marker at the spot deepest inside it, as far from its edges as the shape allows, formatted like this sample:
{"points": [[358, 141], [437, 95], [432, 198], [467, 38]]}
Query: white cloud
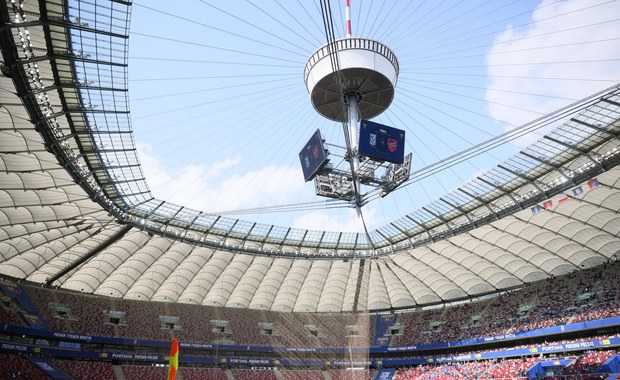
{"points": [[222, 185], [527, 59]]}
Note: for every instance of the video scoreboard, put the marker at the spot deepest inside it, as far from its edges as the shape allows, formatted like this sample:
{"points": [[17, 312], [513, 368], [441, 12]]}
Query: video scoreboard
{"points": [[382, 143], [313, 156]]}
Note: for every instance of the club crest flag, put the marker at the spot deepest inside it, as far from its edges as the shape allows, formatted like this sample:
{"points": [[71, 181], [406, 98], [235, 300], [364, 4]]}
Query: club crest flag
{"points": [[563, 198], [593, 183], [174, 360], [392, 145]]}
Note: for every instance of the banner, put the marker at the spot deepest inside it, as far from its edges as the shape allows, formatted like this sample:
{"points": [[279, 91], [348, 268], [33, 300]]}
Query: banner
{"points": [[385, 374], [613, 363], [48, 368], [382, 324], [31, 316], [31, 319]]}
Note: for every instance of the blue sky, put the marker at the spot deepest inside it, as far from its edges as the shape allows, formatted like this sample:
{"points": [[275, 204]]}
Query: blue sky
{"points": [[220, 109]]}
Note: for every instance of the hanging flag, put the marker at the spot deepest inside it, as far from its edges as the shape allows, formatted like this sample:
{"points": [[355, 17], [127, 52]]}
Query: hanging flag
{"points": [[563, 198], [174, 360], [593, 183], [536, 209], [577, 191], [548, 204]]}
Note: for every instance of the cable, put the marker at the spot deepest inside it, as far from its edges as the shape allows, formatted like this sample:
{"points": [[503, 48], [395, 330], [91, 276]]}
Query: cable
{"points": [[217, 29]]}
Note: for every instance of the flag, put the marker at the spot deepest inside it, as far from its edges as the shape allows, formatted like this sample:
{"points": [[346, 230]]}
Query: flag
{"points": [[548, 204], [593, 183], [577, 191], [536, 209], [563, 198], [174, 360]]}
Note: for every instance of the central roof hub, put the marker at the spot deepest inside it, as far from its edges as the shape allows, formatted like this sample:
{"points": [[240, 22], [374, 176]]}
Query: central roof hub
{"points": [[368, 69]]}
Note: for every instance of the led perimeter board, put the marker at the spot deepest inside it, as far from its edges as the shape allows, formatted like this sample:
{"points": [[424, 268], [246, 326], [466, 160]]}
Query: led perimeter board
{"points": [[313, 156], [382, 143]]}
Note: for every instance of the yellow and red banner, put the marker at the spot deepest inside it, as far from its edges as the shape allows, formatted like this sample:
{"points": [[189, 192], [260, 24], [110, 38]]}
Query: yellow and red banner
{"points": [[174, 360]]}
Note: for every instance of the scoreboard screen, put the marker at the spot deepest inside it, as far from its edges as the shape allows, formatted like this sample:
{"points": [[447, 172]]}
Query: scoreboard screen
{"points": [[381, 143], [313, 156]]}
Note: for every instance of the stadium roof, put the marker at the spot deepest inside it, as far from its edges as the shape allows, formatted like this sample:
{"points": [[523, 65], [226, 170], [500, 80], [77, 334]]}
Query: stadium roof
{"points": [[76, 210]]}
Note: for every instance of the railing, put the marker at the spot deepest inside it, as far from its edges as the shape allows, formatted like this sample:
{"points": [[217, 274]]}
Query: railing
{"points": [[351, 44]]}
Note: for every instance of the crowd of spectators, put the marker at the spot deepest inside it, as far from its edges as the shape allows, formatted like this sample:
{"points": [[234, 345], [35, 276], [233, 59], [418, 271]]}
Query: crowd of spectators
{"points": [[253, 374], [142, 372], [482, 369], [581, 367], [580, 296], [84, 314], [86, 370], [509, 368], [577, 297], [305, 374], [73, 312], [588, 362], [195, 373], [10, 314], [588, 376], [351, 374], [14, 367]]}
